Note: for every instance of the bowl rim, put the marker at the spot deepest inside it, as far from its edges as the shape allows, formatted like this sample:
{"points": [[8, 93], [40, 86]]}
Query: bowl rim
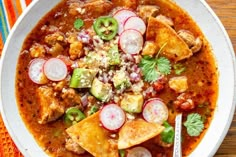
{"points": [[205, 4], [233, 55]]}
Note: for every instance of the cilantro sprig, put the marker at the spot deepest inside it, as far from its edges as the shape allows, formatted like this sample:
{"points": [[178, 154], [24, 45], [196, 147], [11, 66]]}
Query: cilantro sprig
{"points": [[194, 124], [93, 110], [168, 133], [179, 68], [122, 153], [153, 67]]}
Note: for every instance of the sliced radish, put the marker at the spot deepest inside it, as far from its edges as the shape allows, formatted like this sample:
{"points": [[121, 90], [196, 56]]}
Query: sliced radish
{"points": [[67, 61], [121, 16], [131, 41], [55, 69], [135, 22], [112, 117], [139, 152], [36, 71], [155, 111]]}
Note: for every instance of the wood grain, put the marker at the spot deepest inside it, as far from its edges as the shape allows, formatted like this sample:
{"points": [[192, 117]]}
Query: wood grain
{"points": [[226, 11]]}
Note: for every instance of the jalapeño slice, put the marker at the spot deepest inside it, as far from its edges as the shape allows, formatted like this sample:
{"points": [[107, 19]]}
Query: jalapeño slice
{"points": [[106, 27], [73, 115]]}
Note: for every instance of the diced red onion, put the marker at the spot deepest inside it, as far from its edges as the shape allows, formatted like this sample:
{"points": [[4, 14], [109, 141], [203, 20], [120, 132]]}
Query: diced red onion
{"points": [[84, 37], [84, 100], [105, 78], [135, 77]]}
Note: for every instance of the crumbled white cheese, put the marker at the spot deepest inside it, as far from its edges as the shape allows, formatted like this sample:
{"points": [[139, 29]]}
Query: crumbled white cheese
{"points": [[137, 87]]}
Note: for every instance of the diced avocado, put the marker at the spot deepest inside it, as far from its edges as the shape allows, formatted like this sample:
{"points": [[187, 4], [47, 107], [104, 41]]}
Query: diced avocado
{"points": [[132, 103], [114, 56], [101, 91], [82, 78], [121, 80]]}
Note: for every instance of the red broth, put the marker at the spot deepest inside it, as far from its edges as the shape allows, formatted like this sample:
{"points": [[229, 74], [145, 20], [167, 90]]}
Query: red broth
{"points": [[200, 70]]}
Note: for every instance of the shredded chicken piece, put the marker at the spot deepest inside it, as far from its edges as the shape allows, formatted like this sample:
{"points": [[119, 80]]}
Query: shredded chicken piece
{"points": [[146, 11], [71, 96], [74, 147], [159, 85], [165, 20], [195, 44], [59, 86], [50, 108], [52, 39], [89, 7], [76, 50], [187, 36], [37, 50], [184, 102], [56, 49]]}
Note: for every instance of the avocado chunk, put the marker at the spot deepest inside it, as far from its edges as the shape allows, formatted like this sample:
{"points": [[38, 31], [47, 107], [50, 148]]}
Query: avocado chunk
{"points": [[132, 103], [114, 56], [82, 78], [121, 80], [101, 91]]}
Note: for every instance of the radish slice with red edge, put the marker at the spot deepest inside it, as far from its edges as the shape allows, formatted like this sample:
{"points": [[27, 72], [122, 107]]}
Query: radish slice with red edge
{"points": [[155, 111], [131, 41], [36, 71], [67, 61], [55, 69], [135, 22], [121, 16], [139, 152], [112, 117]]}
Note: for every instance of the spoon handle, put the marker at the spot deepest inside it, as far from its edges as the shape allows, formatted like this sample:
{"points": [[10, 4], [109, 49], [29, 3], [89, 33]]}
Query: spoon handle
{"points": [[177, 143]]}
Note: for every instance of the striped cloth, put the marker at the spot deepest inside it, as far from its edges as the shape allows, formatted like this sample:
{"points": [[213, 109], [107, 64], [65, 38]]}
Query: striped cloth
{"points": [[9, 12]]}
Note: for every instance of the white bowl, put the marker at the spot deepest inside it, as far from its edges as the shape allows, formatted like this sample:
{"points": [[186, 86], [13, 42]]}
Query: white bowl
{"points": [[201, 13]]}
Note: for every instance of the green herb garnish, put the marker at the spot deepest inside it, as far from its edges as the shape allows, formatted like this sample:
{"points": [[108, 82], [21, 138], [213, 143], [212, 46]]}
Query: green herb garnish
{"points": [[194, 124], [78, 23], [93, 110], [179, 68], [163, 65], [122, 153], [153, 67], [168, 134]]}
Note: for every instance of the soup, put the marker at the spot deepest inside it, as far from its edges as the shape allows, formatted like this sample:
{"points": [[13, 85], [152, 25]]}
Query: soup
{"points": [[107, 78]]}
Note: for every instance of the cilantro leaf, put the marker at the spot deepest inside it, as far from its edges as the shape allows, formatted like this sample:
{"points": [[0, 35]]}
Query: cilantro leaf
{"points": [[148, 67], [168, 134], [152, 68], [122, 153], [179, 68], [194, 124], [93, 110], [163, 65]]}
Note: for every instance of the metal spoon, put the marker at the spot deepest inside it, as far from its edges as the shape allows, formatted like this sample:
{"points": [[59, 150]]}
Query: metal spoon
{"points": [[177, 143]]}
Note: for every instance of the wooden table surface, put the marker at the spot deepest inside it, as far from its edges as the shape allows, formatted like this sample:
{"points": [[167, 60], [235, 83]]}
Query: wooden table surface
{"points": [[226, 11]]}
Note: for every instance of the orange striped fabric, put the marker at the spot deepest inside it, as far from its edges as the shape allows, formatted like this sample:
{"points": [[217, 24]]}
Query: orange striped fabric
{"points": [[9, 12]]}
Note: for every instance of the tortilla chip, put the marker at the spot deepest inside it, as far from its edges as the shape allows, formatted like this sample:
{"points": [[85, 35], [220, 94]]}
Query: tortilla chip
{"points": [[176, 49], [93, 138], [136, 132]]}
